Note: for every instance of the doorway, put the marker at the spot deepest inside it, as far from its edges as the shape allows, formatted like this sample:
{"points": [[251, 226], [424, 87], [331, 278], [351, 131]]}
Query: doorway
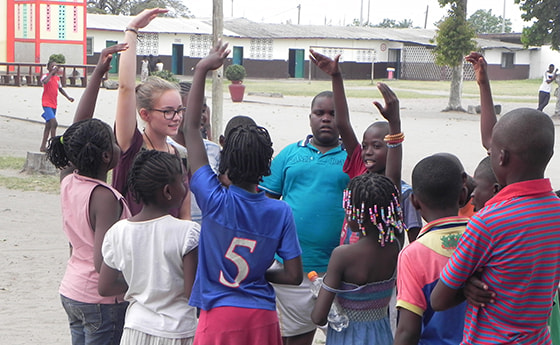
{"points": [[394, 61], [115, 59], [296, 63], [177, 59]]}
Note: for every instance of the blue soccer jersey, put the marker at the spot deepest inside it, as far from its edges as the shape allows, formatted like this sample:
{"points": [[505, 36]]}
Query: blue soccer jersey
{"points": [[240, 234]]}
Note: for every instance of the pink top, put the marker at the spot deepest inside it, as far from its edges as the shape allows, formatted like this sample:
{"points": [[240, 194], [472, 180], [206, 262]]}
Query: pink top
{"points": [[81, 279]]}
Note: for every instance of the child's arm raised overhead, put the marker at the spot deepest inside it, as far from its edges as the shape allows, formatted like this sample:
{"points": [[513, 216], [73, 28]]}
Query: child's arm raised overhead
{"points": [[487, 112], [86, 106], [341, 114], [191, 123], [125, 121], [391, 112]]}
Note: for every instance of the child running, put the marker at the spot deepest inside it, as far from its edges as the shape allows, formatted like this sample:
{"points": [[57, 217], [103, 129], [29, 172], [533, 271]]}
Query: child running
{"points": [[241, 231], [87, 151], [371, 154], [157, 255], [362, 275], [49, 100]]}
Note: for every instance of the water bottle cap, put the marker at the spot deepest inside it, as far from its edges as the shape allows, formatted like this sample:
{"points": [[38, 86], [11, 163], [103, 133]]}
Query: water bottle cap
{"points": [[312, 275]]}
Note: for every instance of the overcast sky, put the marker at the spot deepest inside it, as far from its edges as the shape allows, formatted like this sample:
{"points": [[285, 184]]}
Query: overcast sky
{"points": [[343, 12]]}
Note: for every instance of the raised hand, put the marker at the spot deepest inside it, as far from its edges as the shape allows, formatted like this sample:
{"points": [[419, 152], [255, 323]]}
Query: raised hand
{"points": [[480, 66], [325, 63], [215, 57], [104, 62], [144, 18], [391, 110]]}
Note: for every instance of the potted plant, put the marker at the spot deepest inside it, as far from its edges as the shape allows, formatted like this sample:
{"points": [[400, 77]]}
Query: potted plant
{"points": [[236, 74]]}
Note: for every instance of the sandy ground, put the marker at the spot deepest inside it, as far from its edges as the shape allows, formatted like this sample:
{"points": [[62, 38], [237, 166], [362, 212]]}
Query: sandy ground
{"points": [[33, 248]]}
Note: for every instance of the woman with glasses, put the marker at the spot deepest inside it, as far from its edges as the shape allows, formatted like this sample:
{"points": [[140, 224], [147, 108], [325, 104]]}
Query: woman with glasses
{"points": [[159, 105]]}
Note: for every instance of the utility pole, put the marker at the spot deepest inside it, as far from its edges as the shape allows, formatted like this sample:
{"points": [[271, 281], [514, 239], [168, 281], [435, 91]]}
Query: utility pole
{"points": [[361, 12], [504, 18], [232, 8], [426, 18], [298, 13], [368, 8], [217, 75]]}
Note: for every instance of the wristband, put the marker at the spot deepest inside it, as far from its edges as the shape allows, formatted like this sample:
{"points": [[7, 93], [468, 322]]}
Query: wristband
{"points": [[130, 29]]}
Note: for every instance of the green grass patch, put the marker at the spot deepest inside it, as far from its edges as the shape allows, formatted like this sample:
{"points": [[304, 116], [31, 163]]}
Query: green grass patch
{"points": [[32, 182], [11, 178], [12, 163], [406, 88]]}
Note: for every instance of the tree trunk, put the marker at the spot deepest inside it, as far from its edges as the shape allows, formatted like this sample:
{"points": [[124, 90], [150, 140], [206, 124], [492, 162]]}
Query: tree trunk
{"points": [[456, 89]]}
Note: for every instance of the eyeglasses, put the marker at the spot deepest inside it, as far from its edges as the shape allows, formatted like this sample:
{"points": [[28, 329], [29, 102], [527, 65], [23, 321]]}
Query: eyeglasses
{"points": [[169, 114]]}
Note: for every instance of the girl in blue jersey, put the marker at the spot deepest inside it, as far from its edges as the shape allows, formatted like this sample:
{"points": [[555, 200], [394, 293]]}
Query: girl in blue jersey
{"points": [[241, 230]]}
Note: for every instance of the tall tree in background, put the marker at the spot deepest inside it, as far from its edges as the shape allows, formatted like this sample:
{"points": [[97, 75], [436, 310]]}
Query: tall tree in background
{"points": [[484, 22], [454, 39], [546, 28], [133, 7]]}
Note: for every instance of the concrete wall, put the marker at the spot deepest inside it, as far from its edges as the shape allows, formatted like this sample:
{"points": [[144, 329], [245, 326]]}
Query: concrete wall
{"points": [[540, 59]]}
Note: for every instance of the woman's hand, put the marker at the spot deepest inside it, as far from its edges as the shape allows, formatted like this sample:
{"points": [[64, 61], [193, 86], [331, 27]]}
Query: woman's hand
{"points": [[144, 18]]}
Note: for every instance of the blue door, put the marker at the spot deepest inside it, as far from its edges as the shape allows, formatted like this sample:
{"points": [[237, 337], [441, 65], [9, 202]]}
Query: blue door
{"points": [[237, 58]]}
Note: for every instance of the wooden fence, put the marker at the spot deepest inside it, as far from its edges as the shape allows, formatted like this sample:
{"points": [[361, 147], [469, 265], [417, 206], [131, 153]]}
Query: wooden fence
{"points": [[18, 74]]}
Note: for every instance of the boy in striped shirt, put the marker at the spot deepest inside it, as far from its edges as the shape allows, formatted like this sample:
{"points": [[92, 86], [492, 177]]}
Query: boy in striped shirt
{"points": [[514, 239]]}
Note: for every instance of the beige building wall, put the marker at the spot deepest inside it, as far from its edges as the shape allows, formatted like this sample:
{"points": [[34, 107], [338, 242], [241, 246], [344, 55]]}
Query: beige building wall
{"points": [[3, 31]]}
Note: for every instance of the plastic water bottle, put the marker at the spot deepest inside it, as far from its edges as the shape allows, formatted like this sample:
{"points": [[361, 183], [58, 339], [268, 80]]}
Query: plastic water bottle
{"points": [[337, 319], [316, 283]]}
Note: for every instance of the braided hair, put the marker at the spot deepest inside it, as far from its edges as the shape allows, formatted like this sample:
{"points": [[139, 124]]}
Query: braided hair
{"points": [[82, 145], [246, 154], [150, 172], [373, 198]]}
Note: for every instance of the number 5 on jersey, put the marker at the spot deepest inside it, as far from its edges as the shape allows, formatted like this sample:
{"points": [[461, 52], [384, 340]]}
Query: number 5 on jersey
{"points": [[238, 261]]}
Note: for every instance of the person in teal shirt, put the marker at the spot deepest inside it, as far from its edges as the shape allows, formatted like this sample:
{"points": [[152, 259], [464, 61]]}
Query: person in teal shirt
{"points": [[308, 176]]}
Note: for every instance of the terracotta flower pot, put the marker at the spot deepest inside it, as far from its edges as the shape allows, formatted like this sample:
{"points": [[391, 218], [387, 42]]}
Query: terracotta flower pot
{"points": [[236, 90]]}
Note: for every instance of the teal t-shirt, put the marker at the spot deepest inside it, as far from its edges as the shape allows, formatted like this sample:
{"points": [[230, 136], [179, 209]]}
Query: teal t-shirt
{"points": [[312, 183]]}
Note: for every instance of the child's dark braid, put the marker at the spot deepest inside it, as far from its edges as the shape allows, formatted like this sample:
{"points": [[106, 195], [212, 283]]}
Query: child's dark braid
{"points": [[82, 145], [373, 198], [150, 172], [246, 154]]}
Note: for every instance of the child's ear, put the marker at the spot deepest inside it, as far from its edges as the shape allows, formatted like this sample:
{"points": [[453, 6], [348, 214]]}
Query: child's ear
{"points": [[167, 192], [107, 157], [464, 196], [414, 202], [222, 140], [495, 188], [504, 157]]}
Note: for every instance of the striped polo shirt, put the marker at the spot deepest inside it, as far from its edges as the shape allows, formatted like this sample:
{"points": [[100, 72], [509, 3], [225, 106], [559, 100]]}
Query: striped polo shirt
{"points": [[515, 238]]}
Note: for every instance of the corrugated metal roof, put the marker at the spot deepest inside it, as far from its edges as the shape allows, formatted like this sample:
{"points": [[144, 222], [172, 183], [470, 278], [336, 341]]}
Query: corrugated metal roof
{"points": [[161, 25], [247, 28], [244, 28]]}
